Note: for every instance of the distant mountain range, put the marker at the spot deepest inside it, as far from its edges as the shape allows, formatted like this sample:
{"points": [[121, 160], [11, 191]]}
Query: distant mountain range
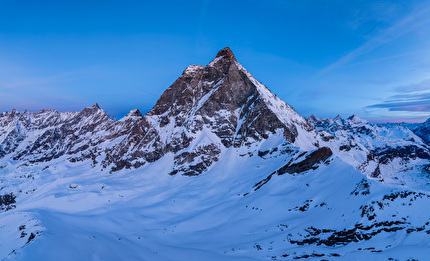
{"points": [[219, 169], [422, 130]]}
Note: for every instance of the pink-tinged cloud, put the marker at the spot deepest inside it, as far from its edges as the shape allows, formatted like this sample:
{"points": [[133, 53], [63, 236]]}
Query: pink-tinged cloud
{"points": [[412, 108]]}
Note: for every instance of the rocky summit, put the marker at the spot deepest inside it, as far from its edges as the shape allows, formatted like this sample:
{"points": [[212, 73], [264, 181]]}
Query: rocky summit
{"points": [[206, 110], [219, 169]]}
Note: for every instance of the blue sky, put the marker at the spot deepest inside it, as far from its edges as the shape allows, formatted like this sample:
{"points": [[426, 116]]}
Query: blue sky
{"points": [[370, 58]]}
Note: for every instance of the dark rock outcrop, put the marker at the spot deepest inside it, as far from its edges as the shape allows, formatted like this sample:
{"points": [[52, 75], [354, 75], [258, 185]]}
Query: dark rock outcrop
{"points": [[311, 161]]}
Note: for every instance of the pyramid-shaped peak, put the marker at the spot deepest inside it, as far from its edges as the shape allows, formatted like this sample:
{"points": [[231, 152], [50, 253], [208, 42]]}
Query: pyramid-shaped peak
{"points": [[96, 106], [226, 53], [222, 89]]}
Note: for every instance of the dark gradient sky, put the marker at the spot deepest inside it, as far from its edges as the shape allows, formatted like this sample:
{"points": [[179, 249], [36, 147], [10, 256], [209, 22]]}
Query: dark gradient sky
{"points": [[371, 58]]}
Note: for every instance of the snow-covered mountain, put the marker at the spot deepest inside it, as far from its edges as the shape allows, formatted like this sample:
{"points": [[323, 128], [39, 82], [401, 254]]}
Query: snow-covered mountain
{"points": [[206, 111], [422, 130], [219, 169], [392, 154]]}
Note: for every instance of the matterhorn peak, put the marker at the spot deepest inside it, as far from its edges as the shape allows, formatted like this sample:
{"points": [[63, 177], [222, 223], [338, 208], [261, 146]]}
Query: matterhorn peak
{"points": [[220, 105]]}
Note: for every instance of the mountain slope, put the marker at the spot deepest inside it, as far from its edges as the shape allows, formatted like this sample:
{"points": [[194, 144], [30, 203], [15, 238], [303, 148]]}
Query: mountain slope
{"points": [[422, 130], [331, 212], [267, 184], [391, 154], [47, 134], [205, 111]]}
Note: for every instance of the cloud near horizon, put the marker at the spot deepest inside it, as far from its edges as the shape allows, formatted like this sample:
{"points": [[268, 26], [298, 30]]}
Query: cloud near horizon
{"points": [[414, 97]]}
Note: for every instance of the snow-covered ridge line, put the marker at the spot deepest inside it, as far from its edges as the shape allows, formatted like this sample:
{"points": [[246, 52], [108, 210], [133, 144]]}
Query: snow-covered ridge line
{"points": [[222, 103], [268, 184]]}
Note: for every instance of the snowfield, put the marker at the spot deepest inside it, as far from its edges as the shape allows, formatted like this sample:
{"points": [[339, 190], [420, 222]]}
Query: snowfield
{"points": [[82, 213]]}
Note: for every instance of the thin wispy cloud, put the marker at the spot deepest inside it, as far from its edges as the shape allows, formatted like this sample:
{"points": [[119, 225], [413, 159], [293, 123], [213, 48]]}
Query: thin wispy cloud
{"points": [[414, 97], [411, 22], [411, 106]]}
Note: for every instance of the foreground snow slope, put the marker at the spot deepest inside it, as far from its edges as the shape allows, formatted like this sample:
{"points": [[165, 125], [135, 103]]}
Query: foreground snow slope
{"points": [[333, 212]]}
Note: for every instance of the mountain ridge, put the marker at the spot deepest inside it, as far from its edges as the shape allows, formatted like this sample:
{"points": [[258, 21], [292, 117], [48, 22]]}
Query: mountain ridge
{"points": [[221, 98], [207, 110], [219, 169]]}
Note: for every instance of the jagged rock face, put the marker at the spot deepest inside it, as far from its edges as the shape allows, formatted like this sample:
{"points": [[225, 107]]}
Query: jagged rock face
{"points": [[47, 134], [221, 98]]}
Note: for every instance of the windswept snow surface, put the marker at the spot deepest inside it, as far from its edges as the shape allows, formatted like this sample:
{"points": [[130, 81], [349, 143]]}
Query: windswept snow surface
{"points": [[78, 212]]}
